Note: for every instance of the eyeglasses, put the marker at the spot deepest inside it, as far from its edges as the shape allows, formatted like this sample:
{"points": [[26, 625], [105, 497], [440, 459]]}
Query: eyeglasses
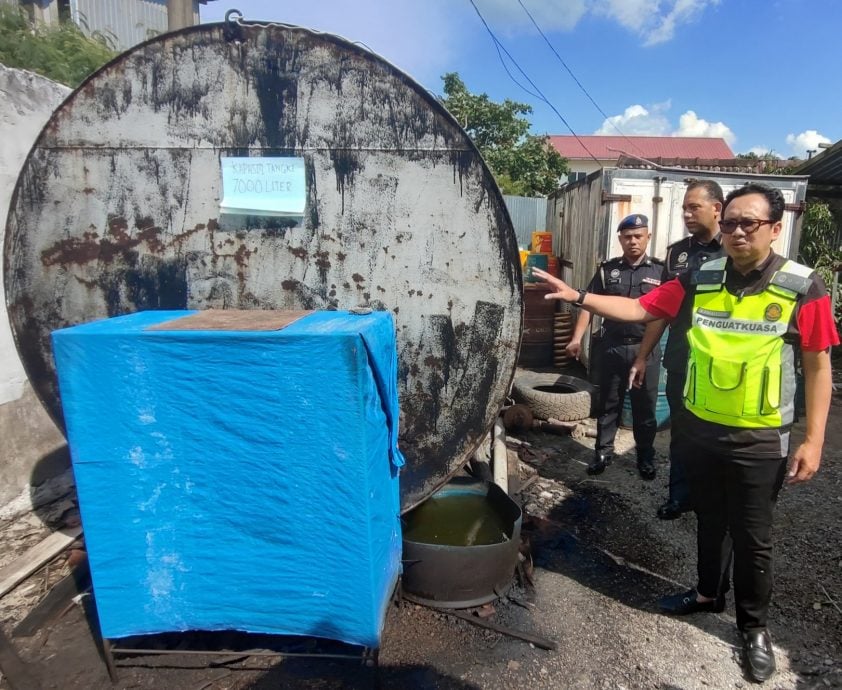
{"points": [[747, 225]]}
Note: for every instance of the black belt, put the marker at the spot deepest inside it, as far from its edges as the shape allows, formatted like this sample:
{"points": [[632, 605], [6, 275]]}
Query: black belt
{"points": [[625, 341]]}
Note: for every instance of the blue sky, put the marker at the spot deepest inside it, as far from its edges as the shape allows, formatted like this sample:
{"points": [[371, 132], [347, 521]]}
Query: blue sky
{"points": [[764, 74]]}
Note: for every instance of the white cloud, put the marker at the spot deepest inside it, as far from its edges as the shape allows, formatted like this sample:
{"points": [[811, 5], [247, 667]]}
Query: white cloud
{"points": [[681, 12], [638, 120], [759, 150], [632, 14], [691, 125], [655, 21], [807, 140], [653, 121]]}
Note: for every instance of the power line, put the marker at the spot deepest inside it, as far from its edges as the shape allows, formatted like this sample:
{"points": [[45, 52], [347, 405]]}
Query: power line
{"points": [[573, 76], [537, 93]]}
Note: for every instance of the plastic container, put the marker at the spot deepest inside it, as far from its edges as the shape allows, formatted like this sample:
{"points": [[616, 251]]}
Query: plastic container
{"points": [[534, 260], [542, 242]]}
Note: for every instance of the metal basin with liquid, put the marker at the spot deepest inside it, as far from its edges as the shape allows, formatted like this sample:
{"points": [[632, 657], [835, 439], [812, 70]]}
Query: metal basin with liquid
{"points": [[460, 546]]}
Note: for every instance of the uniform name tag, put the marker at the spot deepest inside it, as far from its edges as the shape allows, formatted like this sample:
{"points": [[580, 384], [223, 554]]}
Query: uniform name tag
{"points": [[651, 281]]}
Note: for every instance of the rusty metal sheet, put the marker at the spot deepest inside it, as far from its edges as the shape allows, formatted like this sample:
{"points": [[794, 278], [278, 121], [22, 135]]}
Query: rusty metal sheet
{"points": [[233, 320], [117, 210]]}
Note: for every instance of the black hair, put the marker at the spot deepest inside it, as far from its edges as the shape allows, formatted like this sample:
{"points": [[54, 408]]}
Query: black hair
{"points": [[714, 191], [773, 197]]}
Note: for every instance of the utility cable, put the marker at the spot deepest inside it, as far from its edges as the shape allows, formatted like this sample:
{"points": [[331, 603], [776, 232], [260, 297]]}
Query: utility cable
{"points": [[573, 76], [537, 91]]}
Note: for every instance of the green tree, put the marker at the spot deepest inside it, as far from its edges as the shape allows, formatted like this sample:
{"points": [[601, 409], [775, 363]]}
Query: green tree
{"points": [[818, 247], [62, 53], [523, 164]]}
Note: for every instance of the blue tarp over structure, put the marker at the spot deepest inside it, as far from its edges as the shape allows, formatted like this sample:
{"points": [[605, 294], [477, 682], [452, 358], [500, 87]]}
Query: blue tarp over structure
{"points": [[243, 480]]}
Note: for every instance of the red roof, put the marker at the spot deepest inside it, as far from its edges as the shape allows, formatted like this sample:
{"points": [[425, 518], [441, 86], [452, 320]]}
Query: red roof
{"points": [[645, 147]]}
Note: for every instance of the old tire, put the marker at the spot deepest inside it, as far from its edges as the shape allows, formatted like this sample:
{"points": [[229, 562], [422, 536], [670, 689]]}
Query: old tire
{"points": [[555, 396]]}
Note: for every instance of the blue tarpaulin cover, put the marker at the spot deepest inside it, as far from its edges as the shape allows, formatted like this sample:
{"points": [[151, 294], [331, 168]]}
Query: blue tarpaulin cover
{"points": [[243, 480]]}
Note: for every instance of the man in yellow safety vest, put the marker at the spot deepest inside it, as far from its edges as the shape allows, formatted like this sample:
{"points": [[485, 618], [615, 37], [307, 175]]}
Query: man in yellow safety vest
{"points": [[749, 315]]}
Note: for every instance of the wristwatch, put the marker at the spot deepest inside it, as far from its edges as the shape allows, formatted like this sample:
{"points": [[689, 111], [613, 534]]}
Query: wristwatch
{"points": [[581, 298]]}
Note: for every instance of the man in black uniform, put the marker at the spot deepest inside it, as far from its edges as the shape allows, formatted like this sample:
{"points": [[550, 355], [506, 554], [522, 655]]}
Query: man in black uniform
{"points": [[631, 275], [702, 207]]}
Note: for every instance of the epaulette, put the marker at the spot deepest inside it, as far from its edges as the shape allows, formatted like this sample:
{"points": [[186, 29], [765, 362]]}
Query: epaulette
{"points": [[655, 260], [685, 240]]}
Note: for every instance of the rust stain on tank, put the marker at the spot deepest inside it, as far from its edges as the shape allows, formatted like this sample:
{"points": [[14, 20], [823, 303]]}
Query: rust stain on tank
{"points": [[323, 260], [299, 252], [290, 284], [242, 255], [357, 278]]}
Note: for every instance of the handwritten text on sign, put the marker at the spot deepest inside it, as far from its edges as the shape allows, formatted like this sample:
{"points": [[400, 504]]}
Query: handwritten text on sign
{"points": [[263, 186]]}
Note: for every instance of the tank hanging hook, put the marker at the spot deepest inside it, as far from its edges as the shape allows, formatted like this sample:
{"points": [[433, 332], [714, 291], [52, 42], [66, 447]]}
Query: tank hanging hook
{"points": [[232, 31], [230, 13]]}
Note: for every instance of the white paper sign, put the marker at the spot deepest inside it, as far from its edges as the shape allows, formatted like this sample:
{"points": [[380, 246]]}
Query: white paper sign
{"points": [[263, 186]]}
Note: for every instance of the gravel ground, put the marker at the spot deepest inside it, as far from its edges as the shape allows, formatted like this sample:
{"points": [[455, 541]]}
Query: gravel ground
{"points": [[601, 559]]}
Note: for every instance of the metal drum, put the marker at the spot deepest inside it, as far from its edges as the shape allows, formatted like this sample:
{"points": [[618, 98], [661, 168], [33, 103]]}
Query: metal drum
{"points": [[117, 209]]}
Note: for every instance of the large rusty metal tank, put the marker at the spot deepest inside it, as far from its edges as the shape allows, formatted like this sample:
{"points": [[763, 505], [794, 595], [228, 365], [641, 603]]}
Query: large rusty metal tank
{"points": [[117, 209]]}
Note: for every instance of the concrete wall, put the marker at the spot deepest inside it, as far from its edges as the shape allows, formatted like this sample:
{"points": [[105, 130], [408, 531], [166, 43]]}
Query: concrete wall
{"points": [[32, 449]]}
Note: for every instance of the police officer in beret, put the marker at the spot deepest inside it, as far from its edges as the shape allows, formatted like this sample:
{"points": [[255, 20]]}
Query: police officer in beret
{"points": [[631, 275]]}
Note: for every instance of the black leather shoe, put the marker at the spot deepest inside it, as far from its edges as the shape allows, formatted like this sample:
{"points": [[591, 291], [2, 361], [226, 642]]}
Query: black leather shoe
{"points": [[685, 603], [599, 463], [646, 468], [671, 510], [759, 656]]}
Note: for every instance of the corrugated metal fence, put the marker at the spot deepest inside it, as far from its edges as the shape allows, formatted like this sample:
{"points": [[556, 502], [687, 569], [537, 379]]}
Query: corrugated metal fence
{"points": [[124, 22], [528, 214]]}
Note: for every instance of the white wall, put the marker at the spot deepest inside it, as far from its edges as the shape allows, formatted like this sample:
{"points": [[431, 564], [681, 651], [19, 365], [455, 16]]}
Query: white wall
{"points": [[589, 165], [33, 449], [26, 102]]}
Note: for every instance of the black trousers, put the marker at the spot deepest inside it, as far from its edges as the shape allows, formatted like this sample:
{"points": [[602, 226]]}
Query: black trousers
{"points": [[734, 500], [678, 490], [615, 361]]}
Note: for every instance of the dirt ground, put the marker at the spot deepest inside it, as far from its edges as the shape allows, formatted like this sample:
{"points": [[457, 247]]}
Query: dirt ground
{"points": [[601, 559]]}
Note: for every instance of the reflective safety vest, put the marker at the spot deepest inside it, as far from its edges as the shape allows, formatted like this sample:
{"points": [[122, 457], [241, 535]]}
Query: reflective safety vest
{"points": [[741, 372]]}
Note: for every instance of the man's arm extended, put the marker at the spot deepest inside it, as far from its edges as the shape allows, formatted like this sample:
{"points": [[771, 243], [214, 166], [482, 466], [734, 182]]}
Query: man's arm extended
{"points": [[609, 306], [817, 391]]}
